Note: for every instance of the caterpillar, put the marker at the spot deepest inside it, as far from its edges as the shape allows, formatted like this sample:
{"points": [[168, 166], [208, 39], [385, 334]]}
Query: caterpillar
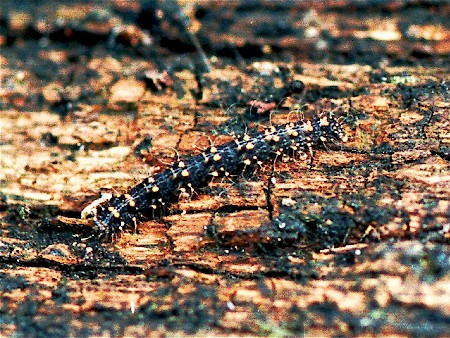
{"points": [[112, 214]]}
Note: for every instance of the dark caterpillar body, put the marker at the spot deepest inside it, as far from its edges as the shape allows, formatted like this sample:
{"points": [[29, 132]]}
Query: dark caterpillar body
{"points": [[116, 213]]}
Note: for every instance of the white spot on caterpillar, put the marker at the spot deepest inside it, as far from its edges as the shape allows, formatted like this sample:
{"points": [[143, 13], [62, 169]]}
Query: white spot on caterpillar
{"points": [[324, 121], [307, 126], [130, 200]]}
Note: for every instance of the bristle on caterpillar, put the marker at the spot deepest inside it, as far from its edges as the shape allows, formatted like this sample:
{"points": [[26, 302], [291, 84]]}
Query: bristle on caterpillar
{"points": [[112, 214]]}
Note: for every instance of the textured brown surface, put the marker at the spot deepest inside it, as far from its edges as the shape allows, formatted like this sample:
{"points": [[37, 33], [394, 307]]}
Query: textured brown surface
{"points": [[354, 244]]}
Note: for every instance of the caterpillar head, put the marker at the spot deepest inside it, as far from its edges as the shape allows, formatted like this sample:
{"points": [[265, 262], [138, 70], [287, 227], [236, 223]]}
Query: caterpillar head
{"points": [[328, 129], [96, 213]]}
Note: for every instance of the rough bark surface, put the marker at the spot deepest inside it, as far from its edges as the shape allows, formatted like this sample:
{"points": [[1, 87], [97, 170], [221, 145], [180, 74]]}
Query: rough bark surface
{"points": [[94, 96]]}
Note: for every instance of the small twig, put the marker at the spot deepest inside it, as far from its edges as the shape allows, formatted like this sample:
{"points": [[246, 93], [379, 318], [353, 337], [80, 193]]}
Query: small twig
{"points": [[185, 21]]}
